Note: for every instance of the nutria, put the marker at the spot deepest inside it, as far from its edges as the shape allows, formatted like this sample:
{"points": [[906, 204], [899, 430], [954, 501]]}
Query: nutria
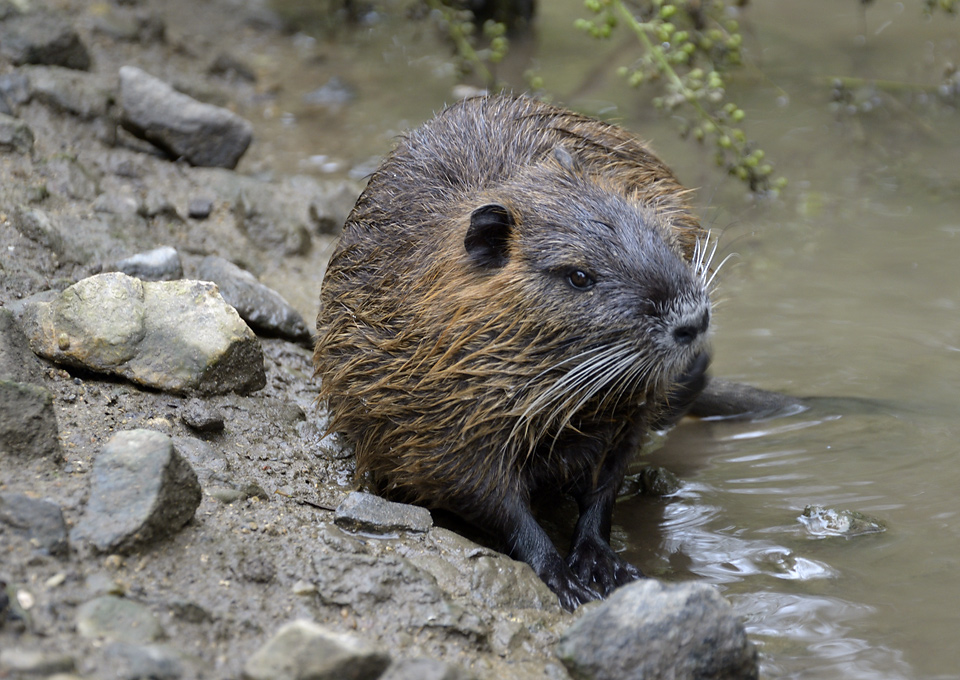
{"points": [[519, 294]]}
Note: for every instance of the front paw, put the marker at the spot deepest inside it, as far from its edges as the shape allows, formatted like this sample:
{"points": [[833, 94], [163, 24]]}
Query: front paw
{"points": [[569, 589], [595, 562]]}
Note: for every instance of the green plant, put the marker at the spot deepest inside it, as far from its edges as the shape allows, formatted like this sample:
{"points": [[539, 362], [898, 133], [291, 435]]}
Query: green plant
{"points": [[689, 48]]}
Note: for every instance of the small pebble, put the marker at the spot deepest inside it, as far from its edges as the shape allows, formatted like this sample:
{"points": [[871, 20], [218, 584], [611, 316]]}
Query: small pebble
{"points": [[200, 208], [201, 416]]}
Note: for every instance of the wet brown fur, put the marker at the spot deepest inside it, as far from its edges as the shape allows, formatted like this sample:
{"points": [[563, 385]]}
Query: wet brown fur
{"points": [[431, 366]]}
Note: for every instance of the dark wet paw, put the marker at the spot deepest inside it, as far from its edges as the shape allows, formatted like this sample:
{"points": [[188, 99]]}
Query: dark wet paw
{"points": [[571, 590], [595, 562]]}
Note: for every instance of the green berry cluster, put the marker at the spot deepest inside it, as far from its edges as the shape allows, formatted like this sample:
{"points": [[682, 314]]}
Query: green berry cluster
{"points": [[689, 46], [472, 58], [949, 6]]}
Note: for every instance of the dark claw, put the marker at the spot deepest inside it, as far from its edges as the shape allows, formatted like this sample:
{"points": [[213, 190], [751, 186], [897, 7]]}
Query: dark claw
{"points": [[571, 590], [593, 561]]}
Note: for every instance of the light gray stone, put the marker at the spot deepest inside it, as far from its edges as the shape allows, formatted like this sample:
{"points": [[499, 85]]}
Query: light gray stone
{"points": [[365, 512], [159, 264], [303, 650], [39, 521], [177, 336], [118, 619]]}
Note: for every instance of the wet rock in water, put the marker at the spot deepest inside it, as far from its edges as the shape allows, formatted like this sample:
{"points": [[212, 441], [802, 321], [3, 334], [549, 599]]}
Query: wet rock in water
{"points": [[651, 630], [303, 650], [142, 490], [263, 308], [28, 423], [33, 663], [333, 94], [200, 208], [39, 521], [156, 662], [365, 512], [15, 135], [201, 416], [159, 264], [85, 95], [424, 669], [177, 336], [115, 618], [203, 134], [42, 38], [822, 522], [658, 481]]}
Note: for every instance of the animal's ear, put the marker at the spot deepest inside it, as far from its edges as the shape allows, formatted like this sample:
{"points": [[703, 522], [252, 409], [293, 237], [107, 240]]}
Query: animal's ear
{"points": [[488, 236]]}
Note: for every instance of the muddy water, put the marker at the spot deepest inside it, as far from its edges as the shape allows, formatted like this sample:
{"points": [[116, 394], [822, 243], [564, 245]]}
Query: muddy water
{"points": [[847, 289]]}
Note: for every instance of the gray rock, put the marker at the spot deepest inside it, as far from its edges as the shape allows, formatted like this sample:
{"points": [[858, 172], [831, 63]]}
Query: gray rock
{"points": [[38, 521], [33, 662], [652, 630], [159, 264], [142, 491], [365, 512], [180, 125], [331, 206], [14, 89], [822, 522], [38, 226], [387, 585], [85, 95], [28, 424], [200, 208], [201, 416], [115, 618], [303, 650], [177, 336], [267, 221], [70, 178], [15, 135], [229, 66], [658, 481], [130, 25], [156, 662], [333, 94], [17, 362], [263, 308], [42, 38], [123, 202], [424, 669]]}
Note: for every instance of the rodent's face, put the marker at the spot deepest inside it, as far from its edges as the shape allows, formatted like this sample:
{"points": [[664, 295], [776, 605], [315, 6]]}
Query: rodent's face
{"points": [[599, 268]]}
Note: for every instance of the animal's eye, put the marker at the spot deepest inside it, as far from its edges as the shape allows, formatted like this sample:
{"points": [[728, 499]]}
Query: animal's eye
{"points": [[580, 279]]}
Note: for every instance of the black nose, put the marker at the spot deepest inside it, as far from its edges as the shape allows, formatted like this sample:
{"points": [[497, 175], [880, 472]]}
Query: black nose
{"points": [[686, 333]]}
